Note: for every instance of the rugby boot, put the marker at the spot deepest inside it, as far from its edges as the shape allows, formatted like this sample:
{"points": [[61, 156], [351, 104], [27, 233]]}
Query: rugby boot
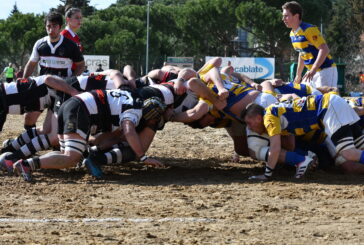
{"points": [[22, 169]]}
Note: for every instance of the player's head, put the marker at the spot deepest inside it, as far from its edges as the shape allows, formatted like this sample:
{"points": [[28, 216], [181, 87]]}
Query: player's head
{"points": [[73, 17], [292, 14], [53, 22], [153, 108], [253, 117]]}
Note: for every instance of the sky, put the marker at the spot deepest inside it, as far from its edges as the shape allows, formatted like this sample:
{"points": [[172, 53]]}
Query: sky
{"points": [[40, 6]]}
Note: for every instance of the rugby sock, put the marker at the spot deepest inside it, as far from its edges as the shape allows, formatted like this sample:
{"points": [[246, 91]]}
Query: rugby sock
{"points": [[23, 139], [362, 157], [39, 143], [293, 158], [33, 163], [114, 156]]}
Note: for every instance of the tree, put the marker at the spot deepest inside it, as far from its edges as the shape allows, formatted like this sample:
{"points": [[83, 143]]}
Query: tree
{"points": [[357, 7], [207, 27], [15, 10], [84, 5], [343, 35], [18, 34]]}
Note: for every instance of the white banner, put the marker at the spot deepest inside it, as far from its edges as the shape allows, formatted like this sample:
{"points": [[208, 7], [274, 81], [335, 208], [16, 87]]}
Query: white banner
{"points": [[93, 62], [254, 68]]}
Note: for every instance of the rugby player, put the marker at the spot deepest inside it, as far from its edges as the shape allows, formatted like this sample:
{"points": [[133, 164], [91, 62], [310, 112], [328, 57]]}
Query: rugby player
{"points": [[328, 112]]}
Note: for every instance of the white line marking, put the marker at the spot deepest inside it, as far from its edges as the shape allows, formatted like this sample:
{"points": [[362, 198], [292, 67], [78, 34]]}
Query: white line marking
{"points": [[105, 220]]}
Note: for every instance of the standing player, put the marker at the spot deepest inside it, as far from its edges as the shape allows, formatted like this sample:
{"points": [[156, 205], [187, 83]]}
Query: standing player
{"points": [[313, 50], [73, 21], [55, 55]]}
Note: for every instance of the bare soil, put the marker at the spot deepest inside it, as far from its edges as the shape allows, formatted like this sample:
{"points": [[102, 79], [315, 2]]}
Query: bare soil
{"points": [[200, 198]]}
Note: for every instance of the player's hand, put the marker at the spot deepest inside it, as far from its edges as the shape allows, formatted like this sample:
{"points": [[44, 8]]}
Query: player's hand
{"points": [[259, 177], [257, 86], [309, 75], [297, 79], [223, 94], [153, 163]]}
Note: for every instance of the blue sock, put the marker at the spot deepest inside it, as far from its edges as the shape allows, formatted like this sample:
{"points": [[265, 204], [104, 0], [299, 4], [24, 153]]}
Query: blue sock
{"points": [[293, 158], [362, 157]]}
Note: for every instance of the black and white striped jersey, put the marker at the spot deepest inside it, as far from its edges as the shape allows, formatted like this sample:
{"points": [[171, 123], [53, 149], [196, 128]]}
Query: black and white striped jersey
{"points": [[25, 95], [95, 81], [109, 108], [82, 84], [56, 58]]}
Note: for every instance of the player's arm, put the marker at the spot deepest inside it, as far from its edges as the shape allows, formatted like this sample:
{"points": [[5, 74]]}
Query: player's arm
{"points": [[33, 61], [274, 150], [59, 84], [321, 56], [300, 66], [192, 114], [135, 143], [29, 68], [79, 68], [247, 80]]}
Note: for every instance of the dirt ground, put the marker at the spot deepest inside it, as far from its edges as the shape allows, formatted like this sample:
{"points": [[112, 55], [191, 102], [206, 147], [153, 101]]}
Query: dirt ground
{"points": [[200, 198]]}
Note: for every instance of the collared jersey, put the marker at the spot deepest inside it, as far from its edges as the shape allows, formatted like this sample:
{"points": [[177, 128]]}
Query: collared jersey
{"points": [[296, 117], [68, 33], [306, 40], [56, 58]]}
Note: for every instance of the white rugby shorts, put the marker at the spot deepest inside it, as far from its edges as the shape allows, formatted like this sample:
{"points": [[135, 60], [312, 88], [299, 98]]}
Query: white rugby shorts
{"points": [[338, 114], [325, 77]]}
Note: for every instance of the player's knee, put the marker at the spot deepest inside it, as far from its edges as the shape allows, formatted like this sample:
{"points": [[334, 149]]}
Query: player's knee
{"points": [[349, 154]]}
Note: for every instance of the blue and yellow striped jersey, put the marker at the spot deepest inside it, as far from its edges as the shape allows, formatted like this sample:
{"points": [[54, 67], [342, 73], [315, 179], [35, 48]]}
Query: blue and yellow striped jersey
{"points": [[236, 91], [317, 136], [296, 117], [300, 89], [306, 40]]}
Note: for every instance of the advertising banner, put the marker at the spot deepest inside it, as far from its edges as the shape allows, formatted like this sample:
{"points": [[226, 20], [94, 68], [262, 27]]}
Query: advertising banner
{"points": [[254, 68], [93, 61], [181, 62]]}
